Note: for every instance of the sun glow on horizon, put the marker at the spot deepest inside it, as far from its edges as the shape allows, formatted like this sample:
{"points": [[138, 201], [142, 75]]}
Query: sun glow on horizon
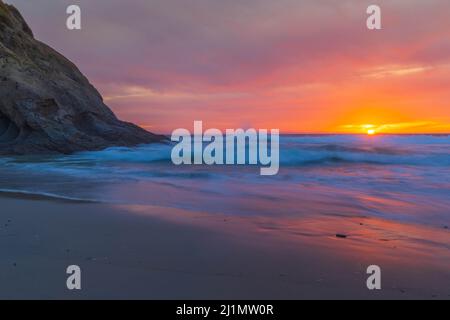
{"points": [[428, 127], [369, 128]]}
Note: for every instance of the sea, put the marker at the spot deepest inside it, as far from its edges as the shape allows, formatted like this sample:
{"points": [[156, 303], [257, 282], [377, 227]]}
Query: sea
{"points": [[400, 178]]}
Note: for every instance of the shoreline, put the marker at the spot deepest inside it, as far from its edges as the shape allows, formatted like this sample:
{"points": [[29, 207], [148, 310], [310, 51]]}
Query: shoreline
{"points": [[149, 252]]}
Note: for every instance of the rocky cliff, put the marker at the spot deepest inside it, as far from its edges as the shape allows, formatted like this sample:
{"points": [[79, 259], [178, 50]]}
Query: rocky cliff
{"points": [[46, 104]]}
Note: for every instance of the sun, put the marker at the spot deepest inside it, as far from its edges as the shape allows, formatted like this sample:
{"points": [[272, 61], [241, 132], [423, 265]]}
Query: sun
{"points": [[371, 132]]}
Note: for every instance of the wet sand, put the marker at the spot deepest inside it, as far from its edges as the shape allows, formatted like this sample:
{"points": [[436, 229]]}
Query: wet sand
{"points": [[147, 252]]}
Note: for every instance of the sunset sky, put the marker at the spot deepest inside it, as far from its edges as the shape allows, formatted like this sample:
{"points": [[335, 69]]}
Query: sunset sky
{"points": [[296, 65]]}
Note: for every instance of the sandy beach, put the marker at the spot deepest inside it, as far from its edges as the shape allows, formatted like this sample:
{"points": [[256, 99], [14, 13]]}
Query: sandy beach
{"points": [[148, 252]]}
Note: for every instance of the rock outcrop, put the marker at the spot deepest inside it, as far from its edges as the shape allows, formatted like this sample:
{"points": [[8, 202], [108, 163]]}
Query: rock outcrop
{"points": [[46, 104]]}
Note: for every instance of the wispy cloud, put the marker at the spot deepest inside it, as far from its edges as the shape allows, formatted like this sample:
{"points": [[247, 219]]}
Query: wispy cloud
{"points": [[137, 92], [395, 71]]}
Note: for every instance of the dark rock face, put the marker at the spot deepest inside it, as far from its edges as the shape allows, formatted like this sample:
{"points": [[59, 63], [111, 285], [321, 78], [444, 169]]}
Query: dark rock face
{"points": [[46, 104]]}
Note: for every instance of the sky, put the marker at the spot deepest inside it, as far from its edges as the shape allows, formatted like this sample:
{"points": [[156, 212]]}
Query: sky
{"points": [[308, 66]]}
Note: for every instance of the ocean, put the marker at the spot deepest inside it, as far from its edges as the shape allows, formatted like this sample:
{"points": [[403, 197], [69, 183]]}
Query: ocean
{"points": [[401, 178]]}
